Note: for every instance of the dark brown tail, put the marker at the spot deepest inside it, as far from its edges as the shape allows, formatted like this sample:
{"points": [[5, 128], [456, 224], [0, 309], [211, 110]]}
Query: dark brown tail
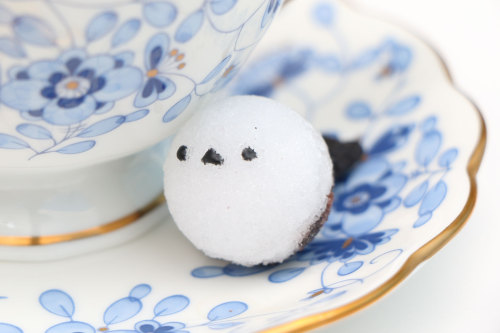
{"points": [[344, 155]]}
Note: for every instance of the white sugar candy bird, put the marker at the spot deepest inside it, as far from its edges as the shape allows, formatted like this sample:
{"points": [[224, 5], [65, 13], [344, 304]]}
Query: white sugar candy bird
{"points": [[248, 180]]}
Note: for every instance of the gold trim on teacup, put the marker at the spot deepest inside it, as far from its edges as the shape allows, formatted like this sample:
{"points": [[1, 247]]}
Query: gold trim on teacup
{"points": [[94, 231], [419, 256]]}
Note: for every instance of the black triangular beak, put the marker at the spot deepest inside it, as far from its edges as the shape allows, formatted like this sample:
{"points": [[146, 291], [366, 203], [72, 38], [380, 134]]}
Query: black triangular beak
{"points": [[212, 157]]}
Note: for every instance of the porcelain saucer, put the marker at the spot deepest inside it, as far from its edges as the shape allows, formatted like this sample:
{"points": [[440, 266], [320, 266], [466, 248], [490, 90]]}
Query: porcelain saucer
{"points": [[353, 77]]}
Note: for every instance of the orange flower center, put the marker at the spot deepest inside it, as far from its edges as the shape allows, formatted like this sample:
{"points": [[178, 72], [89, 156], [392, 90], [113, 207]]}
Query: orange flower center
{"points": [[72, 85], [152, 73], [228, 70], [356, 200], [347, 242]]}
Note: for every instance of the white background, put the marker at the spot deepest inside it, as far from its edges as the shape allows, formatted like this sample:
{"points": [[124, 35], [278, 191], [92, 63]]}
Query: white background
{"points": [[457, 290]]}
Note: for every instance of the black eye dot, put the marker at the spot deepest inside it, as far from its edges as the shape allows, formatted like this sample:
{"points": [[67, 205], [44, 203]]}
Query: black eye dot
{"points": [[248, 154], [212, 157], [181, 153]]}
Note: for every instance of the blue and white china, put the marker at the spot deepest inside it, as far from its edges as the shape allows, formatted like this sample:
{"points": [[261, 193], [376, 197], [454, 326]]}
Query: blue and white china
{"points": [[353, 77], [87, 81], [86, 86]]}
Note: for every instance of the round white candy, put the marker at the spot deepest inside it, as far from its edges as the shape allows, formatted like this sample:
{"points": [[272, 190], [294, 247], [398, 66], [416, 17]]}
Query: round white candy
{"points": [[246, 178]]}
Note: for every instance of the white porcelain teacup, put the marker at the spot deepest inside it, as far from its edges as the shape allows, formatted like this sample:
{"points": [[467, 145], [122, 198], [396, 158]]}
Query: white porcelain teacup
{"points": [[88, 85]]}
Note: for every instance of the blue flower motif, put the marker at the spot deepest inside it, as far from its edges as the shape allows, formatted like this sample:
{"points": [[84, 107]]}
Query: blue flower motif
{"points": [[264, 77], [343, 249], [358, 199], [158, 60], [152, 326], [360, 204], [71, 88], [399, 57], [368, 194]]}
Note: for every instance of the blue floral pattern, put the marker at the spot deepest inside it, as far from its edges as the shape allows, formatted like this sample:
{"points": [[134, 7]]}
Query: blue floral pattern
{"points": [[70, 89], [69, 93], [405, 173], [361, 203], [368, 194], [373, 190], [152, 326], [125, 309], [157, 86]]}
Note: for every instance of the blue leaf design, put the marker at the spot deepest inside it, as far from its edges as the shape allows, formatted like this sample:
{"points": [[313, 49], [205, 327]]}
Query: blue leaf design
{"points": [[349, 267], [57, 302], [11, 48], [227, 310], [122, 310], [102, 127], [401, 56], [428, 148], [140, 291], [323, 14], [125, 57], [171, 305], [448, 157], [104, 108], [394, 138], [328, 63], [358, 110], [365, 59], [238, 270], [433, 198], [189, 27], [392, 205], [403, 106], [71, 327], [176, 109], [220, 7], [11, 142], [126, 32], [76, 148], [428, 124], [422, 220], [136, 115], [286, 274], [159, 14], [207, 272], [33, 30], [216, 70], [7, 328], [156, 50], [416, 194], [34, 131], [100, 25]]}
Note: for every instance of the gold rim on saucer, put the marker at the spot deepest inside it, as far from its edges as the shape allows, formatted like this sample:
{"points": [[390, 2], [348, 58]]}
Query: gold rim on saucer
{"points": [[422, 254]]}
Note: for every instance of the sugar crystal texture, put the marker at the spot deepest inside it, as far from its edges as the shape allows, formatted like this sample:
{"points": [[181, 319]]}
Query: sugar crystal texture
{"points": [[246, 178]]}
